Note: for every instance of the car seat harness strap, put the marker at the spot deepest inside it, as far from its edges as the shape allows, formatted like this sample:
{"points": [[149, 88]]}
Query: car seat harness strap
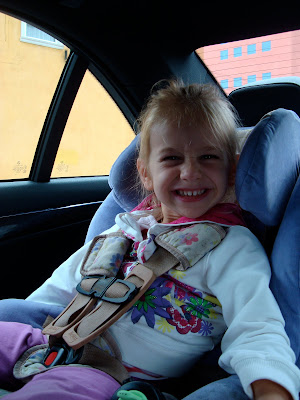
{"points": [[103, 297], [101, 301]]}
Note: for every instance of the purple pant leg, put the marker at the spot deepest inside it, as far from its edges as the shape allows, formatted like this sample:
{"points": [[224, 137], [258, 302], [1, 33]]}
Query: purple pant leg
{"points": [[15, 339], [68, 383], [59, 383]]}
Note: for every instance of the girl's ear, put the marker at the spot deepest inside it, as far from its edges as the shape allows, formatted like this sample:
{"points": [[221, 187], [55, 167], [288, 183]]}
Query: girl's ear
{"points": [[144, 175]]}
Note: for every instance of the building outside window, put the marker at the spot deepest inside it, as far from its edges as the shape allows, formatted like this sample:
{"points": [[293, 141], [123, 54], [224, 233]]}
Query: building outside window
{"points": [[251, 48], [237, 52], [266, 57], [266, 46], [251, 78], [224, 54], [237, 82], [31, 34], [266, 75], [224, 83], [95, 120]]}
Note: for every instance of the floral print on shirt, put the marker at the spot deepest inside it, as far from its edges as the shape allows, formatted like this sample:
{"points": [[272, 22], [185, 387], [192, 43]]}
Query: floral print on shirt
{"points": [[152, 303], [178, 305]]}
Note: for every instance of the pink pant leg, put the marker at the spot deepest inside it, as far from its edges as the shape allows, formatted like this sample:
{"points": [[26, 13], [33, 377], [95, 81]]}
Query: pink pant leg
{"points": [[15, 339], [68, 383]]}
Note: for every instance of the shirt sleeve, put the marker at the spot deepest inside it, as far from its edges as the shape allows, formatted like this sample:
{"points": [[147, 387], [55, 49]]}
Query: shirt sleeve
{"points": [[60, 288], [255, 345]]}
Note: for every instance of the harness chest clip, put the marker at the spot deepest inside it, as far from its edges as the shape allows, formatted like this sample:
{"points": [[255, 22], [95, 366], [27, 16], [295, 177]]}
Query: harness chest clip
{"points": [[100, 287]]}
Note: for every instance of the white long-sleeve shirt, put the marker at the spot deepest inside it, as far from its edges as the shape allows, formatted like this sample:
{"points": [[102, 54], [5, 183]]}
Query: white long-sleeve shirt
{"points": [[224, 294]]}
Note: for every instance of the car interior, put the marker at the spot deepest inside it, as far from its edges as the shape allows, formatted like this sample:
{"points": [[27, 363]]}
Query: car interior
{"points": [[128, 48]]}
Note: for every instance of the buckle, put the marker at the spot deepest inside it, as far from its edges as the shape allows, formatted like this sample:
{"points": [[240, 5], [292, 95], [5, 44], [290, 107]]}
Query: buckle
{"points": [[61, 354], [100, 287]]}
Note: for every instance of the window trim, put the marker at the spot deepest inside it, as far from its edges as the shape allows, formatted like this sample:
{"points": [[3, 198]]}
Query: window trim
{"points": [[27, 39], [57, 117]]}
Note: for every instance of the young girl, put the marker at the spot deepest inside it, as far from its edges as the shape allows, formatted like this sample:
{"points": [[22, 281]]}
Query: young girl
{"points": [[220, 291]]}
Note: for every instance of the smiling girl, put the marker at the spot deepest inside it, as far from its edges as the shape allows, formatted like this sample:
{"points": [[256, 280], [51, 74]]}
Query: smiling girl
{"points": [[218, 292]]}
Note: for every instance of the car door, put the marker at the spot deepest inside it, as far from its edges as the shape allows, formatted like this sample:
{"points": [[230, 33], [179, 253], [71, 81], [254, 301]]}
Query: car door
{"points": [[60, 133]]}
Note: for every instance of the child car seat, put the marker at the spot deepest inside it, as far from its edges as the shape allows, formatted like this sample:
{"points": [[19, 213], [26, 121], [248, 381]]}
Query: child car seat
{"points": [[268, 187]]}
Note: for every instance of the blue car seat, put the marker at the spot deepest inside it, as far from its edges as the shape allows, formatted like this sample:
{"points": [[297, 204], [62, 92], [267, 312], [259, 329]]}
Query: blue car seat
{"points": [[268, 190], [268, 187]]}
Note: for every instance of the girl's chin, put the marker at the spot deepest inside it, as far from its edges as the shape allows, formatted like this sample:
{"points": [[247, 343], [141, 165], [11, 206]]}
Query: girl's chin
{"points": [[185, 212]]}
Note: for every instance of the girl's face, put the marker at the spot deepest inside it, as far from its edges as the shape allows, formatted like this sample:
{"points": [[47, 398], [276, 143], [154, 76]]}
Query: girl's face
{"points": [[187, 173]]}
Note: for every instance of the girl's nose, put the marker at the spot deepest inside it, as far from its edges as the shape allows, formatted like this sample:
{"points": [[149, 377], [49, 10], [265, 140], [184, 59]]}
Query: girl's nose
{"points": [[191, 170]]}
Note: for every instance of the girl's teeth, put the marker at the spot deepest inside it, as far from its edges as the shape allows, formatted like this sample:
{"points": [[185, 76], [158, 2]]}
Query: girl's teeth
{"points": [[191, 192]]}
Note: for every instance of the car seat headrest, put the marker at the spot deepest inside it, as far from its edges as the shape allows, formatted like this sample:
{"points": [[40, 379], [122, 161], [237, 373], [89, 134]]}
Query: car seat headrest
{"points": [[253, 102], [269, 166], [122, 177]]}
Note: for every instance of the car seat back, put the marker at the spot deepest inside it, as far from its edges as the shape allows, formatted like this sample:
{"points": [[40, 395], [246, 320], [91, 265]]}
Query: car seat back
{"points": [[285, 262], [267, 172], [268, 187]]}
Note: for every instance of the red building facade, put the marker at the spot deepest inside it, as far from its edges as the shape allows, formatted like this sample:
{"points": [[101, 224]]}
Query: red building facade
{"points": [[235, 64]]}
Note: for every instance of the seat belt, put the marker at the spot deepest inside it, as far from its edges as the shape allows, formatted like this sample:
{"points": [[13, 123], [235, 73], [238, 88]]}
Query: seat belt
{"points": [[80, 323]]}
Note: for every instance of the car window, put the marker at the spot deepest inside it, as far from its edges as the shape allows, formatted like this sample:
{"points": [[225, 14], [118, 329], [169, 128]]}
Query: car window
{"points": [[29, 72], [95, 134], [31, 63], [248, 61]]}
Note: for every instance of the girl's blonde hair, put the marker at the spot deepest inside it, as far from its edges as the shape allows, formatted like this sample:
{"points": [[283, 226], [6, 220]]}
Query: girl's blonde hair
{"points": [[191, 105]]}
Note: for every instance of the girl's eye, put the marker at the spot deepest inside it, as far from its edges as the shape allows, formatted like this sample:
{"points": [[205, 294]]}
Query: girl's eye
{"points": [[209, 157], [171, 158]]}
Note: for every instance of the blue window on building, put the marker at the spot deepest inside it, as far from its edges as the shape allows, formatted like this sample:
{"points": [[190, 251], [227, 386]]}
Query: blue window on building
{"points": [[237, 82], [266, 75], [266, 46], [251, 48], [251, 78], [237, 52], [224, 54], [224, 83]]}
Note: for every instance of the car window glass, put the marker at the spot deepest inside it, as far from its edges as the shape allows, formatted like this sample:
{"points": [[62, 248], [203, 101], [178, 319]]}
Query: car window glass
{"points": [[247, 61], [95, 134], [31, 63]]}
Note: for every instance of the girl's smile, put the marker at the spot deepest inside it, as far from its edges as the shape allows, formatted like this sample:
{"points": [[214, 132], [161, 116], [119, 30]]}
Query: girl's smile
{"points": [[190, 195], [186, 170]]}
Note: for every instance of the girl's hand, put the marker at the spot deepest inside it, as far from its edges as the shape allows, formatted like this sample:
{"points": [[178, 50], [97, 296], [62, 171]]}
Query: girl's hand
{"points": [[268, 390]]}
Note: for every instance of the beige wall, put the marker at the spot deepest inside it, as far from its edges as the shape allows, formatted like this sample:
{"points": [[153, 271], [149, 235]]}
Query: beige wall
{"points": [[29, 74]]}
